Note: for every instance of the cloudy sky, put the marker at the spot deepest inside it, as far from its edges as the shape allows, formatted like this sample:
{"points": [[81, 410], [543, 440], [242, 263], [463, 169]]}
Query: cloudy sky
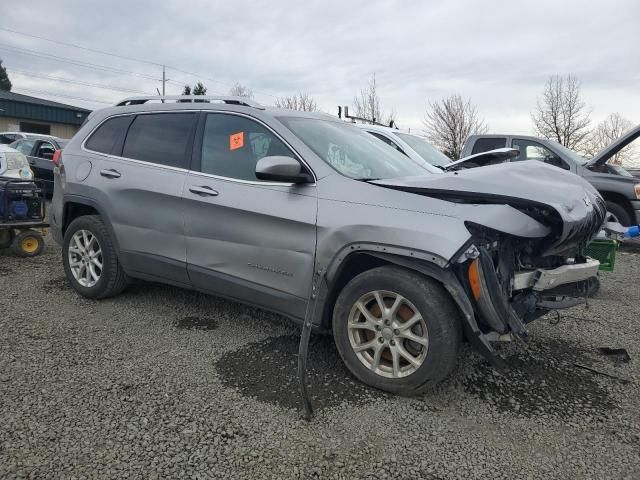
{"points": [[497, 53]]}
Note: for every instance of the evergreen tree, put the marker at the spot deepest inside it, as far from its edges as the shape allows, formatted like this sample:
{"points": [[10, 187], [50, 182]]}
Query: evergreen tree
{"points": [[5, 83], [199, 89]]}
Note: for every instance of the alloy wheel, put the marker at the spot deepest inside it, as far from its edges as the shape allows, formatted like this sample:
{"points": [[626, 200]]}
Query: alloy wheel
{"points": [[388, 334], [85, 258]]}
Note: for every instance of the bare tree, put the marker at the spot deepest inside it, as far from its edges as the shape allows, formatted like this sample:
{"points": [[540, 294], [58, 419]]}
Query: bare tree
{"points": [[367, 105], [606, 132], [450, 121], [300, 101], [561, 114], [239, 90]]}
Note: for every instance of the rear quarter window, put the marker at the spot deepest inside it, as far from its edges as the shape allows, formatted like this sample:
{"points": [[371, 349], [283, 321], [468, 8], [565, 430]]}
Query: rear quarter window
{"points": [[486, 144], [109, 136]]}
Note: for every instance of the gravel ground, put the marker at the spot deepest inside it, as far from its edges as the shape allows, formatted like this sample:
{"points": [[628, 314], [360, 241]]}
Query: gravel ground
{"points": [[162, 383]]}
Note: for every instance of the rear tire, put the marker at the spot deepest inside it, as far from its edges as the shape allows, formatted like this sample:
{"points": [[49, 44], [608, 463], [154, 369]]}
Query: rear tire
{"points": [[92, 265], [422, 361], [617, 213]]}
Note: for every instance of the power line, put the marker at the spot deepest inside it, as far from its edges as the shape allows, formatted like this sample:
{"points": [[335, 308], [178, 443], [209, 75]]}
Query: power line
{"points": [[77, 82], [26, 51], [102, 52], [215, 81], [81, 47], [39, 92]]}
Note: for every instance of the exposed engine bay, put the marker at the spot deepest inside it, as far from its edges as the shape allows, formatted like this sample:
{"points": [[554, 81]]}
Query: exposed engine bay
{"points": [[511, 283]]}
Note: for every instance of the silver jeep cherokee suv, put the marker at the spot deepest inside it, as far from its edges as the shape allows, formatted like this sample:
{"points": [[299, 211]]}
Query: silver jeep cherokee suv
{"points": [[308, 216]]}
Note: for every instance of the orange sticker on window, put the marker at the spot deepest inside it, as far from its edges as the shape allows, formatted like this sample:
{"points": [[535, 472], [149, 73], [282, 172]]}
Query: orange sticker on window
{"points": [[236, 140]]}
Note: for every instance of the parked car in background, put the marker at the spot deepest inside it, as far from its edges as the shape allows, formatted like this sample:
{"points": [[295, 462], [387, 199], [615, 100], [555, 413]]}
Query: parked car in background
{"points": [[311, 217], [40, 151], [618, 187], [413, 146], [14, 164], [7, 138], [423, 153]]}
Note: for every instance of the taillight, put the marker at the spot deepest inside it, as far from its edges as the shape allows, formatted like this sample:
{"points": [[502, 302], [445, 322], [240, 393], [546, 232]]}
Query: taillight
{"points": [[57, 157]]}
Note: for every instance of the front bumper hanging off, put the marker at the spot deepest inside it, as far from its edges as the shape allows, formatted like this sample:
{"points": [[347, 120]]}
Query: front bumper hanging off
{"points": [[545, 279]]}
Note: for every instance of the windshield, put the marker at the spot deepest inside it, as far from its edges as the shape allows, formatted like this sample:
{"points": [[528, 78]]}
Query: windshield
{"points": [[352, 151], [425, 149], [567, 153]]}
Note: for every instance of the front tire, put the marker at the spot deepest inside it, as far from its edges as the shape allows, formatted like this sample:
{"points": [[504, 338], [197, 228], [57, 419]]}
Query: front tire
{"points": [[397, 330], [90, 259], [617, 213]]}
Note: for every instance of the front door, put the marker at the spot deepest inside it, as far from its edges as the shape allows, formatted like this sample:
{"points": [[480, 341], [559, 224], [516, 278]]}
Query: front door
{"points": [[531, 150], [246, 239]]}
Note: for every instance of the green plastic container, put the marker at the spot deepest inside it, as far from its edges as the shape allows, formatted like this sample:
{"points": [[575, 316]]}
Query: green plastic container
{"points": [[605, 252]]}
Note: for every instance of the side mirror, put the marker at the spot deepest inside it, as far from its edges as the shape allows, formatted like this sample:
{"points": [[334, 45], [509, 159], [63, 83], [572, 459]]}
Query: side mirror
{"points": [[281, 169]]}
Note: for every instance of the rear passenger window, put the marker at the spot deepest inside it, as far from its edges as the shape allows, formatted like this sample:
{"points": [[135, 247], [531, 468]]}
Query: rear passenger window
{"points": [[110, 135], [232, 145], [161, 138], [486, 144]]}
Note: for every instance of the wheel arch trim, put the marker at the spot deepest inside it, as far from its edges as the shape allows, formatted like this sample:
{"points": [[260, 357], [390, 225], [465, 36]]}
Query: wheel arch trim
{"points": [[78, 199], [424, 263]]}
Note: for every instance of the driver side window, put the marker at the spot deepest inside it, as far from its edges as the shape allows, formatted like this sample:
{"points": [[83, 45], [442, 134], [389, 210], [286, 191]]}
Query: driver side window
{"points": [[530, 150]]}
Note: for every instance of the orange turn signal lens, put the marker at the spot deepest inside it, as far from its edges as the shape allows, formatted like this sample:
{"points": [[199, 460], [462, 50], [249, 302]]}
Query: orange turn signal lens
{"points": [[474, 279]]}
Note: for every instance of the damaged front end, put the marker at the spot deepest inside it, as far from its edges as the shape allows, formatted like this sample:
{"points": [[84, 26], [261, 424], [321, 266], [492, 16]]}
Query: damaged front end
{"points": [[529, 226], [511, 282]]}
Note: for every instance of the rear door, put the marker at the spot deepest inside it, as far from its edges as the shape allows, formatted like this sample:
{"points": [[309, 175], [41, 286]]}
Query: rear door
{"points": [[250, 240], [138, 179]]}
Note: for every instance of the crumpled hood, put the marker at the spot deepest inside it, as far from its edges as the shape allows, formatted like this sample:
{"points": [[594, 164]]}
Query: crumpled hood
{"points": [[520, 185], [529, 180]]}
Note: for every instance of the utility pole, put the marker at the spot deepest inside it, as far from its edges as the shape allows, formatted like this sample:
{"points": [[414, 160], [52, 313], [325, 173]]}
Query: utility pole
{"points": [[164, 80]]}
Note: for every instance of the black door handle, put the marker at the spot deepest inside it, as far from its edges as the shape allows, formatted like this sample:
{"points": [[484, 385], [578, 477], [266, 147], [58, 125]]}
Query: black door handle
{"points": [[110, 173], [203, 191]]}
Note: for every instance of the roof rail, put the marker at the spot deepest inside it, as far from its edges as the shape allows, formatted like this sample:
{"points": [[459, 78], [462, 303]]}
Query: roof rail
{"points": [[229, 100]]}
